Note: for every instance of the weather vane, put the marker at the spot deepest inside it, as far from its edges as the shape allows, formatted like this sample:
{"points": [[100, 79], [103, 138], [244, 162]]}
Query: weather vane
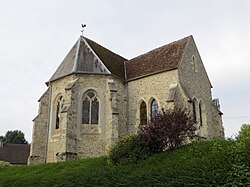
{"points": [[83, 26]]}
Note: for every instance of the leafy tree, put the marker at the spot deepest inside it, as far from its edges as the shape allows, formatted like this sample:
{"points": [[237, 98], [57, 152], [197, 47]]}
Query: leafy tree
{"points": [[244, 133], [2, 139], [168, 130], [15, 137]]}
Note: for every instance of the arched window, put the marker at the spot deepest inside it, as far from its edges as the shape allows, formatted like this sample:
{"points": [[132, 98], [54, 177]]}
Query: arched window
{"points": [[194, 110], [154, 108], [59, 106], [143, 113], [90, 108], [193, 62], [200, 112]]}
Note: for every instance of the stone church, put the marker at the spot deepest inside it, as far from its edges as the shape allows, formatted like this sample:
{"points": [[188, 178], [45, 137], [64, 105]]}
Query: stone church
{"points": [[96, 96]]}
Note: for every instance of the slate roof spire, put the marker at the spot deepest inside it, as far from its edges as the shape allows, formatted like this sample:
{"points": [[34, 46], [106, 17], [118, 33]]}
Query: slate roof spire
{"points": [[86, 56]]}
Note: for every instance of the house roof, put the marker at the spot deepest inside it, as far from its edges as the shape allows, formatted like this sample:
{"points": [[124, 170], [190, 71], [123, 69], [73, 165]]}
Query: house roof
{"points": [[86, 56], [160, 59], [14, 153]]}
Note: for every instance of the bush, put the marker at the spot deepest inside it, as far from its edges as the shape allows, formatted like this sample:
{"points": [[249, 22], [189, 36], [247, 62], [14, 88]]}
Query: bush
{"points": [[4, 164], [128, 149], [168, 130]]}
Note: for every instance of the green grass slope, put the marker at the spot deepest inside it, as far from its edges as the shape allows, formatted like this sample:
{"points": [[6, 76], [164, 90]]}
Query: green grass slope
{"points": [[210, 163]]}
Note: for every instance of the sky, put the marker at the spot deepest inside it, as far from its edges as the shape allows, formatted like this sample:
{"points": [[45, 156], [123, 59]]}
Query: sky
{"points": [[35, 36]]}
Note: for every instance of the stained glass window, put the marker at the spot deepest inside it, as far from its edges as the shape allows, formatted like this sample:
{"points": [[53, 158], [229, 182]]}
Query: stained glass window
{"points": [[90, 108], [154, 108]]}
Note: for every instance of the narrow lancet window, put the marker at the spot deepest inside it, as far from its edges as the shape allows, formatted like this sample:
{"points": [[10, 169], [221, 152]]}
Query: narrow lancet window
{"points": [[59, 106], [200, 111], [154, 108], [194, 110], [143, 113]]}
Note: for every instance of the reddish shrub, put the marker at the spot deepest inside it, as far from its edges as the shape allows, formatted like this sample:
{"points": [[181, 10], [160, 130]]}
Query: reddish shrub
{"points": [[168, 130]]}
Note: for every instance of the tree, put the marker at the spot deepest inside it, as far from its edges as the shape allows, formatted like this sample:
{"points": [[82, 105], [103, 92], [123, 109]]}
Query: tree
{"points": [[2, 139], [15, 137], [168, 130], [244, 133]]}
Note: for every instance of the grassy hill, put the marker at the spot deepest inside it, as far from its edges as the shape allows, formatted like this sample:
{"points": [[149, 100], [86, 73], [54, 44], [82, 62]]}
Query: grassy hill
{"points": [[210, 163]]}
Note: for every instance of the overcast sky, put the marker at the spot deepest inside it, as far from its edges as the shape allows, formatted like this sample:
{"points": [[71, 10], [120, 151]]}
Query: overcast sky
{"points": [[35, 36]]}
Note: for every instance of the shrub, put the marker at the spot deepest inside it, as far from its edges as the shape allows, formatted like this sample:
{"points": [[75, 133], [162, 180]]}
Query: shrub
{"points": [[4, 164], [168, 130], [128, 149]]}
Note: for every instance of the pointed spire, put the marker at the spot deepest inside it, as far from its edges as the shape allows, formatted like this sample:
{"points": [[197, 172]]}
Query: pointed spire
{"points": [[87, 56]]}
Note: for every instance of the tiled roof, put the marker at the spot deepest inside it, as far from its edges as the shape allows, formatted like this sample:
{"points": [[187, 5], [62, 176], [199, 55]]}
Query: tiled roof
{"points": [[160, 59], [14, 153], [78, 61], [114, 62]]}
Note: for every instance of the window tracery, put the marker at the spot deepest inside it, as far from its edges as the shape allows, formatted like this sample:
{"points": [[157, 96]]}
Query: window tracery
{"points": [[90, 108]]}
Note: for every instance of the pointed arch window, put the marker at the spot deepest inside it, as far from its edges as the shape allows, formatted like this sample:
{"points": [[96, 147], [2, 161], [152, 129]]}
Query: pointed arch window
{"points": [[154, 108], [143, 113], [200, 112], [194, 63], [59, 106], [90, 108], [194, 110]]}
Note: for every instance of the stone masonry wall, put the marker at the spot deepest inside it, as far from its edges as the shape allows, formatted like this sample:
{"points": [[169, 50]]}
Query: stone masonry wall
{"points": [[95, 140], [146, 89], [218, 130], [73, 139], [193, 77], [91, 138], [58, 137], [40, 131]]}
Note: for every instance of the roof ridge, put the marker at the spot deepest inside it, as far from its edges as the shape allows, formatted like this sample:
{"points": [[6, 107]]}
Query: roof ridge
{"points": [[77, 55], [113, 61], [163, 58], [102, 47], [96, 55], [155, 49]]}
